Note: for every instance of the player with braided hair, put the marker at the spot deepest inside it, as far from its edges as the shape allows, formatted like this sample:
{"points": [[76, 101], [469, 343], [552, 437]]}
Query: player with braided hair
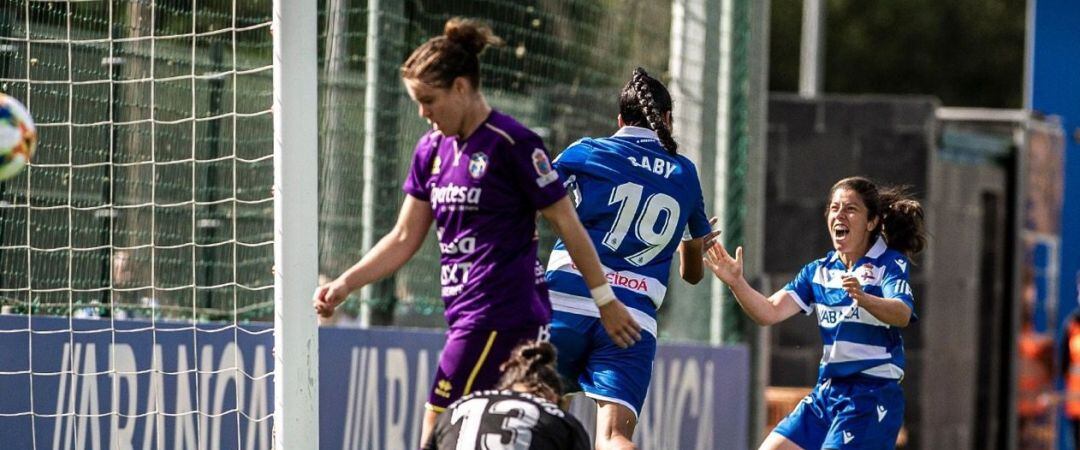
{"points": [[648, 109], [640, 202]]}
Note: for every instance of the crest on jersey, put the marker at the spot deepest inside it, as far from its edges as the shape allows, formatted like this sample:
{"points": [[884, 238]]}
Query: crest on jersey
{"points": [[543, 168], [478, 163], [867, 272], [436, 165]]}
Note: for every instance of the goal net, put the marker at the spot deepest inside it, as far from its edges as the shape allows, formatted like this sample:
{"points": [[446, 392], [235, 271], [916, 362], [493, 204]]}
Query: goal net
{"points": [[136, 252]]}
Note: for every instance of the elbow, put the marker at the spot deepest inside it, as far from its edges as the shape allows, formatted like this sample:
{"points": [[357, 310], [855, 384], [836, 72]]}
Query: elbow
{"points": [[410, 239], [903, 322], [693, 278], [764, 321]]}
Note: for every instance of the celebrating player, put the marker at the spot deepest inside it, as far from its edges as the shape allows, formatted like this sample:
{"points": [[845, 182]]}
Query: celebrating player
{"points": [[861, 294], [481, 177], [636, 196], [523, 414]]}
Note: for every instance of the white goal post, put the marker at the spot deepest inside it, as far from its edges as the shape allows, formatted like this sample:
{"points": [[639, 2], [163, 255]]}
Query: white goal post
{"points": [[296, 343]]}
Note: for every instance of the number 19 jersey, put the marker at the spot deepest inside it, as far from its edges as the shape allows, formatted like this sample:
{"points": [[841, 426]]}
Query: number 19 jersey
{"points": [[637, 202]]}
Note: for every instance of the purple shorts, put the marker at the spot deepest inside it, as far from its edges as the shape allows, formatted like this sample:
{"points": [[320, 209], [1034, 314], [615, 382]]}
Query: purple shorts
{"points": [[470, 361]]}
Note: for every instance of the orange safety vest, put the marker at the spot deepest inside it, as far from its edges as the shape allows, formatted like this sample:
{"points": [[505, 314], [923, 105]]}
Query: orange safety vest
{"points": [[1072, 379], [1034, 375]]}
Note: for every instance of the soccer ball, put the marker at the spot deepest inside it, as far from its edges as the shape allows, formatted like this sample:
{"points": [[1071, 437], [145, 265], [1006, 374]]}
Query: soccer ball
{"points": [[17, 137]]}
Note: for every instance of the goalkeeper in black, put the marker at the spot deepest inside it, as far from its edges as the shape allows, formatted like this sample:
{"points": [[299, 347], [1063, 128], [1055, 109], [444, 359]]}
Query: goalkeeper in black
{"points": [[521, 415]]}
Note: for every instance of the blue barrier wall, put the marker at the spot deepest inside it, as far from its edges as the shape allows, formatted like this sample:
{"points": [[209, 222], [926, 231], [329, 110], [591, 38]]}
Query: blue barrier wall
{"points": [[372, 386], [1055, 89]]}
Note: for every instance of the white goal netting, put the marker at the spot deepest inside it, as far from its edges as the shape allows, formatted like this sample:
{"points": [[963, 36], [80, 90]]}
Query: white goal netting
{"points": [[137, 249]]}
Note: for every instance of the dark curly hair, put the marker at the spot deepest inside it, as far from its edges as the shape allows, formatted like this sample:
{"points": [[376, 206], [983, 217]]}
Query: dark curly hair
{"points": [[533, 365], [901, 215]]}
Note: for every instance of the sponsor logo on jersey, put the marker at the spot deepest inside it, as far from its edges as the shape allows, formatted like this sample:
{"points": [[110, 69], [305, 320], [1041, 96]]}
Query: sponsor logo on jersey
{"points": [[454, 194], [881, 411], [626, 280], [478, 163], [903, 265], [459, 246], [829, 317], [454, 277]]}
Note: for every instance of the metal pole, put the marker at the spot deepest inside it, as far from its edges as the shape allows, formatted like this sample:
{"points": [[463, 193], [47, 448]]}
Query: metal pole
{"points": [[723, 148], [812, 54], [371, 105], [754, 230], [296, 343]]}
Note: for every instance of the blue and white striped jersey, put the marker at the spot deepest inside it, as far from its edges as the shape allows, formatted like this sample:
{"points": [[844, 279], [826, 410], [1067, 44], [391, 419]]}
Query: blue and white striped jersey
{"points": [[637, 202], [856, 342]]}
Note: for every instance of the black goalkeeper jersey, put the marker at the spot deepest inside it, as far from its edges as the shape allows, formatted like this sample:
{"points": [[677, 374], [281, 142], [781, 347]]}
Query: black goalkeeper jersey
{"points": [[490, 420]]}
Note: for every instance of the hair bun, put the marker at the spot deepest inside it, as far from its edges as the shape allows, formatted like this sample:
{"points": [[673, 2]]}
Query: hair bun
{"points": [[639, 73], [470, 34], [541, 353]]}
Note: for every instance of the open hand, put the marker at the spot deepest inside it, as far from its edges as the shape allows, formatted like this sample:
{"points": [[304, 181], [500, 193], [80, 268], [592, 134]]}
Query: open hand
{"points": [[727, 269]]}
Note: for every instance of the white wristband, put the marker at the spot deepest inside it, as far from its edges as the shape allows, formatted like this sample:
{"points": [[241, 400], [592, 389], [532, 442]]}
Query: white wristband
{"points": [[602, 294]]}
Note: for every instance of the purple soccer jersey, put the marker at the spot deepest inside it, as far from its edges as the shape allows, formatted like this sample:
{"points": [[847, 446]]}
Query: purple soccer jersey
{"points": [[484, 193]]}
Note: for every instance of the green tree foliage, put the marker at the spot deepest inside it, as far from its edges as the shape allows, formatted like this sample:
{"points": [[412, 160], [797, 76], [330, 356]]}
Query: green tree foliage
{"points": [[966, 52]]}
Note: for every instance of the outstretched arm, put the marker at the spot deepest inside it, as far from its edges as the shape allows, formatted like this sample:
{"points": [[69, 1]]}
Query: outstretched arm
{"points": [[387, 256], [763, 310], [622, 328]]}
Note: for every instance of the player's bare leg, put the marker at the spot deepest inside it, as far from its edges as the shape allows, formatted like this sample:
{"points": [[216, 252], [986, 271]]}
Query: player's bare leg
{"points": [[614, 426], [777, 442], [430, 417]]}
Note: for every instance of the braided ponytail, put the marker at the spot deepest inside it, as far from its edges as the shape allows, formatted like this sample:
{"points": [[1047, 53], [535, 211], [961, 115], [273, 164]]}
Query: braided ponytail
{"points": [[533, 364], [644, 101]]}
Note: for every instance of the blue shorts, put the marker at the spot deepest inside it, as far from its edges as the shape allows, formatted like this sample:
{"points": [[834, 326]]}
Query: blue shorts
{"points": [[847, 414], [591, 362]]}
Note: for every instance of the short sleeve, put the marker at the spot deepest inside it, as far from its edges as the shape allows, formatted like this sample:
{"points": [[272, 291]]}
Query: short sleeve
{"points": [[531, 168], [425, 155], [570, 164], [697, 225], [896, 285], [572, 160], [801, 288]]}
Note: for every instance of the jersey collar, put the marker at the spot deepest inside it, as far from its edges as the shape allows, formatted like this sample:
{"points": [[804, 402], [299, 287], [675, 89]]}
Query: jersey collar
{"points": [[636, 132], [875, 251]]}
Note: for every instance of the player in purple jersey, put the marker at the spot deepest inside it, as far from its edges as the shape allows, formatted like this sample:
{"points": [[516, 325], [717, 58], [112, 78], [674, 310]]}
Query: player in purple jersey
{"points": [[861, 294], [481, 177]]}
